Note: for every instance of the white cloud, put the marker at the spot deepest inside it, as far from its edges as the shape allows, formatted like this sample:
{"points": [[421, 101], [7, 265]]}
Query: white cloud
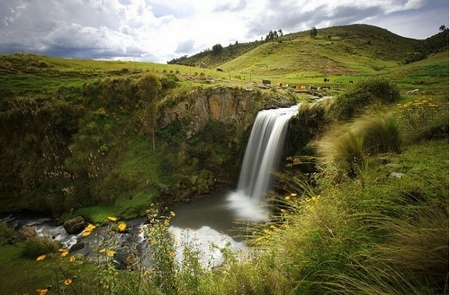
{"points": [[161, 30]]}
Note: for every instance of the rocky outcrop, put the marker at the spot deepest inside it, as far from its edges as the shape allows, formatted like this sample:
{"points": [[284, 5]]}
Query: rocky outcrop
{"points": [[74, 225], [227, 105], [27, 232]]}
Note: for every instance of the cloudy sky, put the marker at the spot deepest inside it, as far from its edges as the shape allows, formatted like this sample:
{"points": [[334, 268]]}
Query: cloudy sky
{"points": [[160, 30]]}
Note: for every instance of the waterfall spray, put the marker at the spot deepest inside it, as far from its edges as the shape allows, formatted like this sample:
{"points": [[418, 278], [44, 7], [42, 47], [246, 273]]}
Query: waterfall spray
{"points": [[262, 157]]}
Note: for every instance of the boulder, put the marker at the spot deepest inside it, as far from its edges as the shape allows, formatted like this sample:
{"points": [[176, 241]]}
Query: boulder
{"points": [[77, 246], [74, 225], [27, 231]]}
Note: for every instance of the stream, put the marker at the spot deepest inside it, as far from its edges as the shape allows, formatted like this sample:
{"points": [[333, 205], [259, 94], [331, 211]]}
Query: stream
{"points": [[207, 224]]}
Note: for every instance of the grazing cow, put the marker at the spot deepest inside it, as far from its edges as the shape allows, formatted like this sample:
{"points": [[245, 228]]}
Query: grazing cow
{"points": [[219, 69], [266, 82], [351, 82]]}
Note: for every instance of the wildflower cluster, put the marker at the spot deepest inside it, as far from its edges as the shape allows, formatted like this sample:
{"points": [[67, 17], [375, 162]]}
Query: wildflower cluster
{"points": [[418, 112], [309, 202], [163, 272], [88, 230]]}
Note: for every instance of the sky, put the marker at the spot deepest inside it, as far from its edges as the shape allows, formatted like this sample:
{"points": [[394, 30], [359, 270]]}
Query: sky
{"points": [[160, 30]]}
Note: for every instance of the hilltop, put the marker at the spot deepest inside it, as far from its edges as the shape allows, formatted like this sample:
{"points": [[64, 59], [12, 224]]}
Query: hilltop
{"points": [[336, 51]]}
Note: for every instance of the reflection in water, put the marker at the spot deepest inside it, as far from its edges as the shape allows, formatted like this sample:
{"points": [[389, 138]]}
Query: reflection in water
{"points": [[207, 224]]}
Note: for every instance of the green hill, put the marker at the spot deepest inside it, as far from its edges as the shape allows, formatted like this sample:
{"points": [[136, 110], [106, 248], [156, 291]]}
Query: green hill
{"points": [[335, 51]]}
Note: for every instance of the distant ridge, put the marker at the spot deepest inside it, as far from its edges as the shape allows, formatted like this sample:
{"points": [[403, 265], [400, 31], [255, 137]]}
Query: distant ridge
{"points": [[338, 50]]}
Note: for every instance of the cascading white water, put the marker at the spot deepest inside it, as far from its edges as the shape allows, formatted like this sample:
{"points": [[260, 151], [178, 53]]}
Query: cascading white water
{"points": [[261, 158]]}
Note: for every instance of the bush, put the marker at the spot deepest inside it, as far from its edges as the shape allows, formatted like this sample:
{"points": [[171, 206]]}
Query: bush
{"points": [[7, 234], [364, 93], [36, 246]]}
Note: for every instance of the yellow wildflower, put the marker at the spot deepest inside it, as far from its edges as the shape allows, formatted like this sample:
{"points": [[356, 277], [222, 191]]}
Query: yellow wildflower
{"points": [[42, 257], [42, 291], [110, 218], [90, 227], [110, 253], [287, 198], [72, 259], [65, 253], [122, 226], [67, 282], [86, 233], [102, 250], [293, 195], [172, 213]]}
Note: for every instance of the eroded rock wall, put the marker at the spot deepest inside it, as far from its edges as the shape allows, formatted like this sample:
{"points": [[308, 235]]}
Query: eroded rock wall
{"points": [[236, 106]]}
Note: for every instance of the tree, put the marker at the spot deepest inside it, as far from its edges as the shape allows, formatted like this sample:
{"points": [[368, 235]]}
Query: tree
{"points": [[280, 33], [217, 49], [313, 32], [149, 87], [275, 34], [442, 28]]}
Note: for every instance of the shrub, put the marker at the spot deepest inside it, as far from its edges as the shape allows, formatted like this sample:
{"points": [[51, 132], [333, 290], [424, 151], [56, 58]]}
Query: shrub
{"points": [[36, 246], [364, 93], [7, 234]]}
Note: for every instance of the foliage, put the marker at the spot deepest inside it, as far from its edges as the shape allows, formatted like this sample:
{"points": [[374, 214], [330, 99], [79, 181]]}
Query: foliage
{"points": [[36, 246], [149, 87], [7, 234], [381, 133], [217, 49], [424, 118], [313, 32], [363, 94], [431, 45]]}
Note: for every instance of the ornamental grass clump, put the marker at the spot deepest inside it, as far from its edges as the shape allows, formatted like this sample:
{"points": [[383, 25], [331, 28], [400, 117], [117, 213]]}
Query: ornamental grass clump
{"points": [[381, 133], [37, 246], [343, 150]]}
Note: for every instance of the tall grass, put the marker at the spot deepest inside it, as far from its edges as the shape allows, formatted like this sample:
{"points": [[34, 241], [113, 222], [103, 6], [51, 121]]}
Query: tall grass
{"points": [[381, 133], [343, 149]]}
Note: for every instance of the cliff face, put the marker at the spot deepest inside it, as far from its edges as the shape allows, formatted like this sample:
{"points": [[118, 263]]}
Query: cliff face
{"points": [[235, 106]]}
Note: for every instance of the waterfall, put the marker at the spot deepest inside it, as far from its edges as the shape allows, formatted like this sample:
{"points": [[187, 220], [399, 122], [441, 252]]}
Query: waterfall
{"points": [[262, 157]]}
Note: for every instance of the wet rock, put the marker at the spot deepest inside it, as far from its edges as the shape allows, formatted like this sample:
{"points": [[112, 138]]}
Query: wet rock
{"points": [[77, 246], [74, 225], [27, 231]]}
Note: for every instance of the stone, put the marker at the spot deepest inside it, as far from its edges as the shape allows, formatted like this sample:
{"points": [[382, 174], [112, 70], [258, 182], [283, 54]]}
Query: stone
{"points": [[27, 231], [396, 175], [77, 246], [74, 225]]}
